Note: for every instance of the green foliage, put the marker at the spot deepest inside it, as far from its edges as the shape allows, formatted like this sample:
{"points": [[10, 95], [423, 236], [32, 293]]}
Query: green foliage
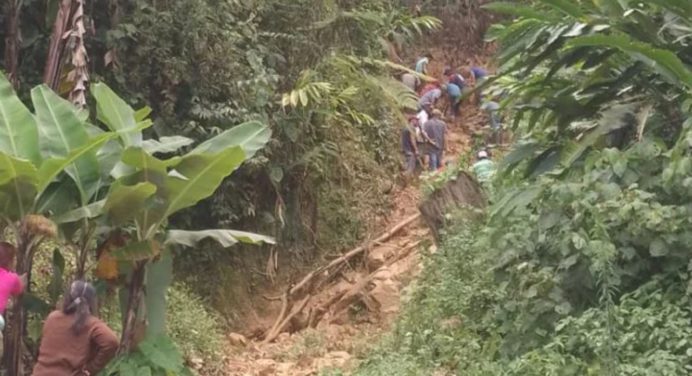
{"points": [[156, 356], [196, 331], [582, 266]]}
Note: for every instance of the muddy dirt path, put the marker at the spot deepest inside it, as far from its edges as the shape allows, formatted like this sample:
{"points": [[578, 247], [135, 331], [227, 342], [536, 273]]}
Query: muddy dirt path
{"points": [[367, 291]]}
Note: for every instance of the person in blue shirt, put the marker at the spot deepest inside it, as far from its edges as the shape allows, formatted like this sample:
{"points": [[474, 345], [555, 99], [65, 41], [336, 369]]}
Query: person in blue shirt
{"points": [[479, 76], [454, 95]]}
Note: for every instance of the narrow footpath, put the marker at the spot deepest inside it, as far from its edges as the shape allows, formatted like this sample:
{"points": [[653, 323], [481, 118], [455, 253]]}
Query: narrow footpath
{"points": [[363, 297]]}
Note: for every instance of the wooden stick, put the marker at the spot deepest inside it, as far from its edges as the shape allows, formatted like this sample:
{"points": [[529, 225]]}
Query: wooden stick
{"points": [[350, 254], [284, 307], [275, 332]]}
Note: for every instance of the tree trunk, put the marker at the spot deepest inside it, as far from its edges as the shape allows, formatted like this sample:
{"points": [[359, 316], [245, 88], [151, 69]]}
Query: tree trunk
{"points": [[51, 72], [17, 318], [133, 326], [12, 11]]}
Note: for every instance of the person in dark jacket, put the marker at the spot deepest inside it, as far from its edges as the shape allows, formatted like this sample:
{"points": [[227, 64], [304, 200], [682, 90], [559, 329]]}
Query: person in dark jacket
{"points": [[74, 341]]}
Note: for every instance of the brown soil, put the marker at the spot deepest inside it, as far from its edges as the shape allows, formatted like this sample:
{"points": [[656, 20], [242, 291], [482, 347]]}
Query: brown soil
{"points": [[368, 289]]}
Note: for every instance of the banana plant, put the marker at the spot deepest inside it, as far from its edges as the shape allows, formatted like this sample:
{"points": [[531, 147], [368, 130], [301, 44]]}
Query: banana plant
{"points": [[146, 191], [40, 152]]}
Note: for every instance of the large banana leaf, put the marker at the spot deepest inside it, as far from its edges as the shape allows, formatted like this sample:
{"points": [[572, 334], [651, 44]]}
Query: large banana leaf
{"points": [[250, 136], [225, 238], [117, 115], [18, 130], [203, 174], [18, 186], [62, 131], [124, 202], [52, 167]]}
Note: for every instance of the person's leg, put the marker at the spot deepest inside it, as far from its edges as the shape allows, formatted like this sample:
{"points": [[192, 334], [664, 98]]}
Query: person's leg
{"points": [[410, 163], [440, 155], [432, 160], [456, 106]]}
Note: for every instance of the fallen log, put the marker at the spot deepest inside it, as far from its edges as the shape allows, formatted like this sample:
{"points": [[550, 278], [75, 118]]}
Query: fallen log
{"points": [[352, 253], [313, 318], [278, 329]]}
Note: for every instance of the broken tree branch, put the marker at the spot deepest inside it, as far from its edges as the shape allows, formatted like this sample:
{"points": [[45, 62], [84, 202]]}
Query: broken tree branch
{"points": [[352, 253]]}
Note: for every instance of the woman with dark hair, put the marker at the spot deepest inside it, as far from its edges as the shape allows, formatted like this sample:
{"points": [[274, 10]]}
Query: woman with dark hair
{"points": [[74, 341]]}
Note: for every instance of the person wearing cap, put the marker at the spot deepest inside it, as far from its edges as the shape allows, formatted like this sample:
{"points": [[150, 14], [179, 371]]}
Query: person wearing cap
{"points": [[435, 130], [484, 168]]}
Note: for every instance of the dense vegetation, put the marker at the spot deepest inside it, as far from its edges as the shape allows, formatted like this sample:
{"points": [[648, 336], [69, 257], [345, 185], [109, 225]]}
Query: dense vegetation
{"points": [[582, 266]]}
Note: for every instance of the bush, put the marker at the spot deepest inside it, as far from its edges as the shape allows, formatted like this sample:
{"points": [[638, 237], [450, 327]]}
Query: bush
{"points": [[196, 331]]}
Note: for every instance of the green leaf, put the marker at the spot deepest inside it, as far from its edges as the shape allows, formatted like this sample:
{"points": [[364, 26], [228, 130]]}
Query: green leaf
{"points": [[664, 62], [18, 129], [52, 167], [125, 202], [139, 158], [250, 136], [225, 238], [203, 174], [516, 10], [90, 211], [137, 251], [162, 353], [117, 115], [159, 278], [658, 248], [166, 144], [570, 8], [62, 131], [18, 186]]}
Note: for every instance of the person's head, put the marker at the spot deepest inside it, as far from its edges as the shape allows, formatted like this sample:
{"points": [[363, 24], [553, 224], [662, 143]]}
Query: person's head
{"points": [[80, 301], [437, 114], [447, 71], [7, 255], [482, 155], [428, 55], [428, 108]]}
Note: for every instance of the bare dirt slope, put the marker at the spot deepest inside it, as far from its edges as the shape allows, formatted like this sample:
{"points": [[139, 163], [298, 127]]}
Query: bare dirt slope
{"points": [[341, 316]]}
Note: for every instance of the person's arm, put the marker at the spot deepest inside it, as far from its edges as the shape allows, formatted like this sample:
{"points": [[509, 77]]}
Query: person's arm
{"points": [[104, 343], [412, 139]]}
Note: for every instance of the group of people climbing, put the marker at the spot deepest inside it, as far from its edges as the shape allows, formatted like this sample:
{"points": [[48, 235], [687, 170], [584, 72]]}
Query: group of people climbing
{"points": [[74, 341], [425, 134]]}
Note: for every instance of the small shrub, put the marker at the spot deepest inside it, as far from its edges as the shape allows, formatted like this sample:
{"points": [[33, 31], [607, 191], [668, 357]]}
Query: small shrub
{"points": [[195, 330]]}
